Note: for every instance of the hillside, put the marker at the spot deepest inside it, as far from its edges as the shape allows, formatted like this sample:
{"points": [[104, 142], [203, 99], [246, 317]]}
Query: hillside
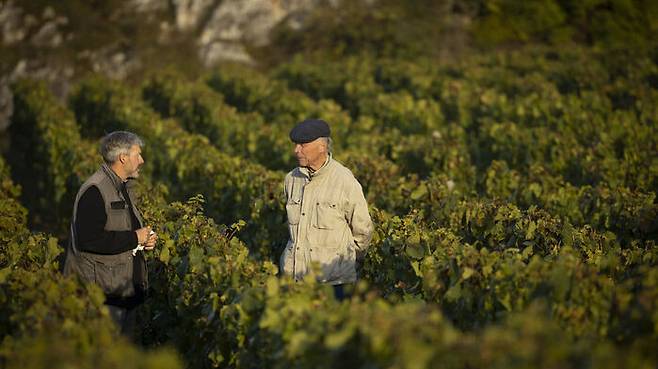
{"points": [[507, 153]]}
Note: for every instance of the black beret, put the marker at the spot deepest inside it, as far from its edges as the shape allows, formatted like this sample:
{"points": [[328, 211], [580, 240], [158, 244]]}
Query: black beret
{"points": [[309, 130]]}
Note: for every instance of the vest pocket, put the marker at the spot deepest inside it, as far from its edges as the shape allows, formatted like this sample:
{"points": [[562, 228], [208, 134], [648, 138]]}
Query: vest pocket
{"points": [[118, 220], [112, 273]]}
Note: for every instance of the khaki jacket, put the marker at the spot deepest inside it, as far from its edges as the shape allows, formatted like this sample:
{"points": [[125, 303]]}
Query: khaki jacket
{"points": [[328, 221]]}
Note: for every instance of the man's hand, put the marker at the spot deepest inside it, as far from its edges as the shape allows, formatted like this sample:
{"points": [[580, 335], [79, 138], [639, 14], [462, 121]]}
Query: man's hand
{"points": [[150, 242], [143, 235]]}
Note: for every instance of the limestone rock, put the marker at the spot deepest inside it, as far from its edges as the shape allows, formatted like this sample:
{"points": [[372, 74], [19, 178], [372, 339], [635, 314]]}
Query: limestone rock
{"points": [[190, 13], [236, 22], [222, 29], [57, 77], [11, 19]]}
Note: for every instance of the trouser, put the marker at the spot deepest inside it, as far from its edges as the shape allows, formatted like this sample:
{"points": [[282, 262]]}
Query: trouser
{"points": [[125, 319], [339, 291]]}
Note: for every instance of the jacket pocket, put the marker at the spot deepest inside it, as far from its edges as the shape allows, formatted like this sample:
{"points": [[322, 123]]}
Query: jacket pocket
{"points": [[293, 210], [330, 260], [286, 260], [327, 215]]}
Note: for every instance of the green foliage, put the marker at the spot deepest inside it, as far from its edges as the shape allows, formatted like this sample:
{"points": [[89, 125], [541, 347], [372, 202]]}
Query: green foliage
{"points": [[282, 108], [51, 321], [435, 28], [346, 82], [200, 272], [242, 315], [526, 138], [514, 200], [188, 164], [8, 189], [200, 109], [55, 351], [47, 320], [41, 302], [630, 214], [504, 260], [381, 28], [14, 219], [505, 21], [613, 23], [49, 158]]}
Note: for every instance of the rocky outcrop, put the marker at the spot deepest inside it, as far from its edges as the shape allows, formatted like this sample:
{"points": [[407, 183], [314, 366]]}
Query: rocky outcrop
{"points": [[222, 29], [14, 27], [36, 32], [235, 23]]}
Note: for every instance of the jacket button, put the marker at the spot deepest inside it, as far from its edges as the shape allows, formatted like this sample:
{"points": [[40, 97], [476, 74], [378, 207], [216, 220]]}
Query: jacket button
{"points": [[298, 248], [317, 203], [303, 214]]}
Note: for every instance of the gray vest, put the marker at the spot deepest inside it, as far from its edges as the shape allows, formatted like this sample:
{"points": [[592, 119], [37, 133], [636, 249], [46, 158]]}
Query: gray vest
{"points": [[113, 273]]}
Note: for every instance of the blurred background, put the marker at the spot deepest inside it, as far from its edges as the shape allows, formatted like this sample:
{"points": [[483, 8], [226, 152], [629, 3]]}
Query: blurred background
{"points": [[62, 41]]}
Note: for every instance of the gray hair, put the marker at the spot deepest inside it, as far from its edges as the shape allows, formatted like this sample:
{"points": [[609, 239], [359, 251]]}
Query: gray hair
{"points": [[329, 143], [117, 143]]}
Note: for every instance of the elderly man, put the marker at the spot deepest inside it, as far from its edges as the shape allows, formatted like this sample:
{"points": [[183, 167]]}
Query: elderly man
{"points": [[107, 231], [328, 216]]}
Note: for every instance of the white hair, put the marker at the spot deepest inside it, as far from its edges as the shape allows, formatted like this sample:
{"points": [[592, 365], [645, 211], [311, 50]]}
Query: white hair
{"points": [[117, 143], [329, 143]]}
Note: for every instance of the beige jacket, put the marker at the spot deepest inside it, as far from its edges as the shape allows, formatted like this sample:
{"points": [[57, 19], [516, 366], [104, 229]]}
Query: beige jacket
{"points": [[328, 222]]}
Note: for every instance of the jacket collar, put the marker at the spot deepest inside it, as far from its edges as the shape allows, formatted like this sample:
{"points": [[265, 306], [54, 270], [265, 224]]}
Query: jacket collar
{"points": [[318, 173], [116, 180]]}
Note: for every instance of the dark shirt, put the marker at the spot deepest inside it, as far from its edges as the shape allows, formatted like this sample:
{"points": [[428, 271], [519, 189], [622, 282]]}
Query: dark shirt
{"points": [[90, 226]]}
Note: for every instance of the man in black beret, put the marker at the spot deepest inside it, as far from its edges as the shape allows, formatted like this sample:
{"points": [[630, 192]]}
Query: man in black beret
{"points": [[328, 217]]}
